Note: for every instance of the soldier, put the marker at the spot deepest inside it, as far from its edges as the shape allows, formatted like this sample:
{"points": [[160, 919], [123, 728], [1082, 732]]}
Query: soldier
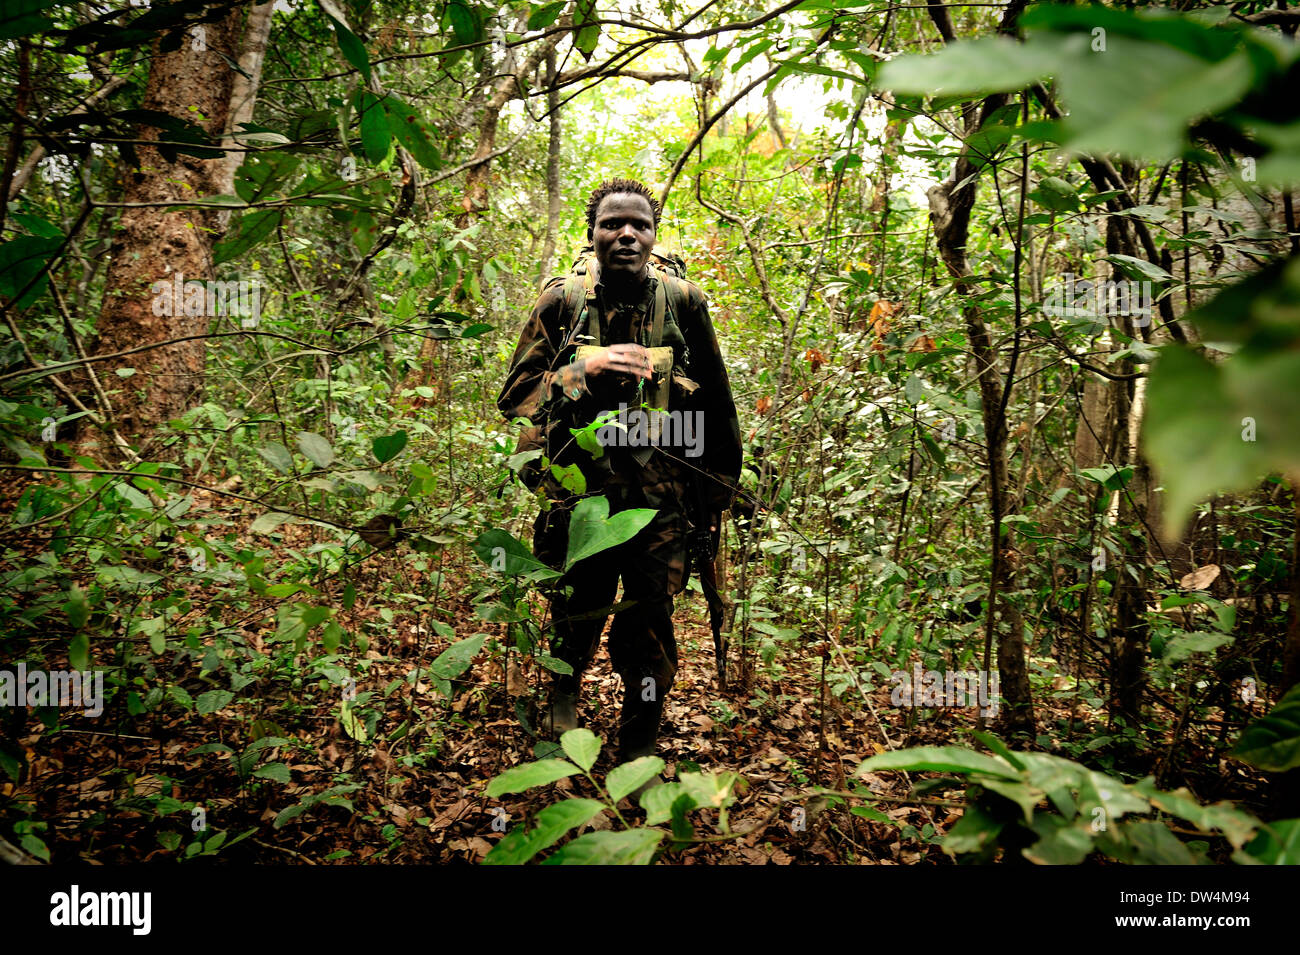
{"points": [[629, 306]]}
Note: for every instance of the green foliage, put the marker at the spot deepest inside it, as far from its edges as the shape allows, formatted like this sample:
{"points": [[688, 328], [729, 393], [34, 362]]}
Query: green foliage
{"points": [[1054, 811], [632, 845]]}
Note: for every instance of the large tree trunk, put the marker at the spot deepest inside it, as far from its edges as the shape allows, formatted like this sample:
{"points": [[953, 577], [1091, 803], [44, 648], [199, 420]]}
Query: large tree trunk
{"points": [[158, 244]]}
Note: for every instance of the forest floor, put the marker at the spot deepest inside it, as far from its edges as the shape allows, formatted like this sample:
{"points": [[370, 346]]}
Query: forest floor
{"points": [[121, 792]]}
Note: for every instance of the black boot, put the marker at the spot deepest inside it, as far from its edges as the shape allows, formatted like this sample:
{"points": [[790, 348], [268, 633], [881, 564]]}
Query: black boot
{"points": [[639, 724], [639, 732]]}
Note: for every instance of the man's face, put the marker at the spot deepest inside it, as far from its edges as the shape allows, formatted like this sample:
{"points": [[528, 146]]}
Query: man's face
{"points": [[623, 235]]}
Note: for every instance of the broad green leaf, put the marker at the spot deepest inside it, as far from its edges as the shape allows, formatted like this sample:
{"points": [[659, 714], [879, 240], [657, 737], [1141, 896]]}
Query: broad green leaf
{"points": [[1194, 435], [503, 553], [387, 447], [269, 521], [939, 759], [1138, 269], [625, 778], [553, 822], [530, 775], [316, 448], [376, 137], [554, 664], [456, 659], [631, 847], [1138, 98], [466, 22], [975, 67], [1184, 645], [592, 530], [1278, 843], [278, 456], [21, 18], [277, 772], [213, 700], [353, 49], [1155, 844], [585, 18], [1236, 825], [542, 17], [582, 746], [658, 802], [410, 130], [1273, 742], [351, 725], [77, 608], [1058, 843]]}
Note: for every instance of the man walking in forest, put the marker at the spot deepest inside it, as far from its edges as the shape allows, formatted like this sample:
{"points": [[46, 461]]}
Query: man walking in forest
{"points": [[624, 330]]}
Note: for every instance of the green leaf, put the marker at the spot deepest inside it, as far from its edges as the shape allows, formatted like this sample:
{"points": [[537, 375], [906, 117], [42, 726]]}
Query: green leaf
{"points": [[79, 651], [625, 778], [376, 137], [582, 746], [21, 261], [466, 22], [277, 772], [585, 18], [1139, 269], [553, 822], [1278, 843], [1059, 843], [503, 553], [939, 759], [213, 700], [278, 456], [351, 725], [1194, 435], [631, 847], [554, 664], [389, 446], [1184, 645], [542, 17], [974, 67], [269, 521], [353, 49], [456, 659], [409, 129], [21, 18], [77, 608], [658, 802], [1138, 98], [316, 448], [529, 776], [592, 530], [1273, 742]]}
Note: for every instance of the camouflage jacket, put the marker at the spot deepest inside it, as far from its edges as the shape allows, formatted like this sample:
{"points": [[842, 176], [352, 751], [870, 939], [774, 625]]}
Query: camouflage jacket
{"points": [[547, 387]]}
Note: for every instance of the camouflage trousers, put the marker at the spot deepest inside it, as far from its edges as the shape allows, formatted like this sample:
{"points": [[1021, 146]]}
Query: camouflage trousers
{"points": [[652, 567]]}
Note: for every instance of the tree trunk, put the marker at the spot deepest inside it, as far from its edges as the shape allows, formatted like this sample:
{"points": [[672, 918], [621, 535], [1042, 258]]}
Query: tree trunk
{"points": [[553, 197], [160, 244], [243, 94], [951, 203]]}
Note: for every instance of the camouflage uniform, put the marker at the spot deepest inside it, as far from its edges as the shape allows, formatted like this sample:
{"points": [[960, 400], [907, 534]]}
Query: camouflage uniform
{"points": [[554, 394]]}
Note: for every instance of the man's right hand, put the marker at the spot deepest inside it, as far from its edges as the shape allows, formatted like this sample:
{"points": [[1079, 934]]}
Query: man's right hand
{"points": [[625, 359]]}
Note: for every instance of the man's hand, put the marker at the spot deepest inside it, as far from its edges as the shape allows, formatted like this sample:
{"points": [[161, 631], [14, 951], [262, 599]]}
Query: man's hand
{"points": [[625, 359]]}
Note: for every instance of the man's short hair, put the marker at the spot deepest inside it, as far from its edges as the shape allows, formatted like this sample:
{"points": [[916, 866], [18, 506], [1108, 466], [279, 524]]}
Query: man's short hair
{"points": [[613, 186]]}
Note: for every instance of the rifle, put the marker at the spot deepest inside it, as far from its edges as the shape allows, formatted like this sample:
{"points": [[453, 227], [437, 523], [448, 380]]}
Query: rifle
{"points": [[703, 548]]}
